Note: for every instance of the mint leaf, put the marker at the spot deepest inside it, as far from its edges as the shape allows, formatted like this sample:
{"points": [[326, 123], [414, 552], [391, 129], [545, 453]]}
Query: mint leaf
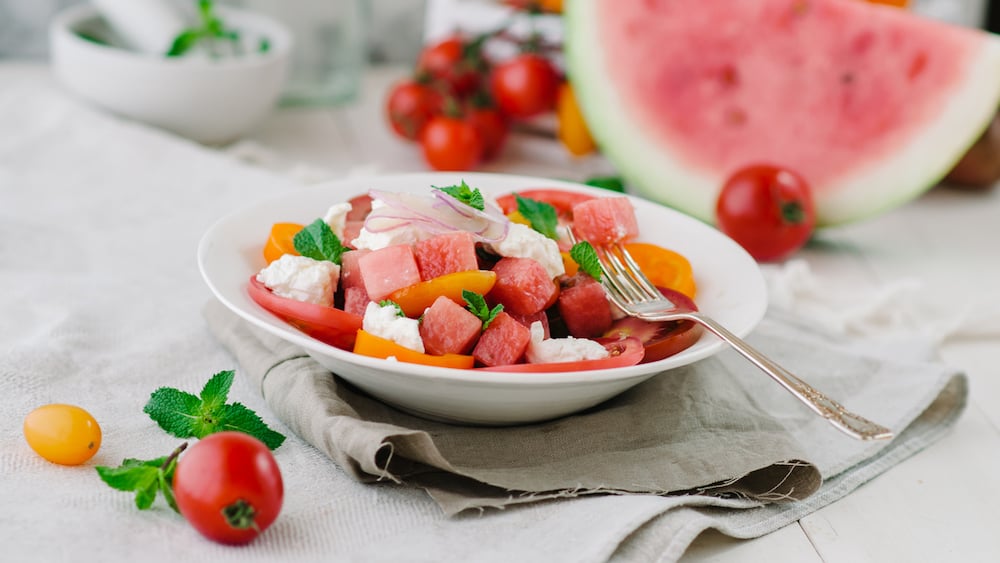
{"points": [[184, 41], [586, 257], [145, 478], [541, 215], [478, 307], [240, 418], [613, 183], [318, 242], [174, 411], [393, 304], [462, 192], [188, 416]]}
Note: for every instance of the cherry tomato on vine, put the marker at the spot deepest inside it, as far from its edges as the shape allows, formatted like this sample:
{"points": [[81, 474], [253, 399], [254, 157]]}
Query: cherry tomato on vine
{"points": [[409, 106], [229, 487], [492, 129], [768, 210], [451, 143], [525, 86], [63, 434], [455, 63]]}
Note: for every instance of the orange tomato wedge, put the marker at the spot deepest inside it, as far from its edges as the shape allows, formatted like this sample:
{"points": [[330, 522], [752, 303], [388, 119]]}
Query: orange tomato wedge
{"points": [[664, 267], [367, 344], [280, 242], [414, 299], [572, 129], [569, 264]]}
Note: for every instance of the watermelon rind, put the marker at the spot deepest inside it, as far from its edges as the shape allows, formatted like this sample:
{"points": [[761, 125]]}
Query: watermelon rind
{"points": [[655, 172]]}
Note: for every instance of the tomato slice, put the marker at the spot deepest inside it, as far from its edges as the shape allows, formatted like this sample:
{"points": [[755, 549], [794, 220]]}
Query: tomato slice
{"points": [[660, 339], [664, 267], [326, 324], [281, 241], [368, 344], [624, 352], [414, 299], [562, 200]]}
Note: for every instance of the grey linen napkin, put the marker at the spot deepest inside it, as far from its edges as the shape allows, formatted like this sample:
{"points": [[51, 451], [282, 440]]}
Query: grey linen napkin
{"points": [[718, 429]]}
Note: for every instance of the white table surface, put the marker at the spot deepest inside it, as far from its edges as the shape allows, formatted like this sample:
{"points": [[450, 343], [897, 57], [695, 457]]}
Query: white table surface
{"points": [[940, 505]]}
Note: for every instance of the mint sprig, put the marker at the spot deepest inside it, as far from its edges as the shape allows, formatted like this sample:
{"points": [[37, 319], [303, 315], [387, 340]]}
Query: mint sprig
{"points": [[469, 196], [146, 478], [189, 416], [586, 257], [317, 241], [542, 216], [478, 307], [210, 29]]}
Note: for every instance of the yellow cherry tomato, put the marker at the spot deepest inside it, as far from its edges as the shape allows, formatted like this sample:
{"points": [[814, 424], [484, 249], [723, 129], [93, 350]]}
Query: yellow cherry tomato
{"points": [[664, 267], [367, 344], [281, 241], [415, 298], [64, 434], [572, 129]]}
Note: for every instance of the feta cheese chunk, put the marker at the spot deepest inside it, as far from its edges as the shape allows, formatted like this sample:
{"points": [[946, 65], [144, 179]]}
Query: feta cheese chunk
{"points": [[336, 217], [302, 279], [524, 242], [400, 233], [543, 351], [386, 323]]}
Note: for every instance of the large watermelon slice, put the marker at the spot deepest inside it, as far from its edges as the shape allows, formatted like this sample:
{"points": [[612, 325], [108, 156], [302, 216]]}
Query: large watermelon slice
{"points": [[872, 104]]}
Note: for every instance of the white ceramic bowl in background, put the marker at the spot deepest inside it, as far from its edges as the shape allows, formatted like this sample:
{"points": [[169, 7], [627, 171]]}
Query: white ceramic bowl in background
{"points": [[730, 288], [211, 101]]}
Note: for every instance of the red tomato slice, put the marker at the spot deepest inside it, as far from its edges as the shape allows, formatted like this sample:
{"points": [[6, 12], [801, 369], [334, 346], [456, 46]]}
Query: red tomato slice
{"points": [[624, 352], [326, 324], [660, 339], [562, 200]]}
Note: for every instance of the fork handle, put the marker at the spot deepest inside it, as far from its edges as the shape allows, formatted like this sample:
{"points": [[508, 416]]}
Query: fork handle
{"points": [[844, 420]]}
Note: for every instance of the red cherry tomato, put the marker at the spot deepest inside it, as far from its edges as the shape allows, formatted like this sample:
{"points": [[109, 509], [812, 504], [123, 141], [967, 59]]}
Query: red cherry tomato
{"points": [[768, 210], [451, 143], [624, 352], [229, 487], [454, 64], [327, 324], [492, 129], [525, 86], [410, 106], [660, 339]]}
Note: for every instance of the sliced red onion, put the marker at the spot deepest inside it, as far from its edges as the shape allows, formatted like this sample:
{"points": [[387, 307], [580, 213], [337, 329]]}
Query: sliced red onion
{"points": [[436, 214]]}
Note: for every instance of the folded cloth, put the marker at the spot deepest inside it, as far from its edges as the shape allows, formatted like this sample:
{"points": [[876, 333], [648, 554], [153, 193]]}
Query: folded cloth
{"points": [[712, 432]]}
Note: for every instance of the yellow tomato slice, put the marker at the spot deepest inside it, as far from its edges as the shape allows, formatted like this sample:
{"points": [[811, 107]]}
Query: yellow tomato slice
{"points": [[569, 264], [572, 129], [367, 344], [281, 241], [415, 298], [664, 267]]}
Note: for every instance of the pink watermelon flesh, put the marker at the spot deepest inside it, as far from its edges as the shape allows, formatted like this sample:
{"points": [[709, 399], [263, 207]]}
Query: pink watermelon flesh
{"points": [[583, 306], [445, 254], [605, 220], [448, 328], [387, 269], [523, 286], [870, 104], [503, 342]]}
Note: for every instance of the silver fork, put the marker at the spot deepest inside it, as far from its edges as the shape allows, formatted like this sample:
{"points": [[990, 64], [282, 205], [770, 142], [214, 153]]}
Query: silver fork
{"points": [[633, 293]]}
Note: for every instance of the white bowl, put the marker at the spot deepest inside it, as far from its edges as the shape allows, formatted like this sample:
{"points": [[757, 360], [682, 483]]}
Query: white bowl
{"points": [[207, 100], [730, 288]]}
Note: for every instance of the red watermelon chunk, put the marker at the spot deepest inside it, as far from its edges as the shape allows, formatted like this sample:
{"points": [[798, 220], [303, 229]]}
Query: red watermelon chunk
{"points": [[448, 328], [356, 300], [387, 269], [523, 286], [445, 254], [584, 307], [605, 220], [350, 270], [503, 342], [540, 316]]}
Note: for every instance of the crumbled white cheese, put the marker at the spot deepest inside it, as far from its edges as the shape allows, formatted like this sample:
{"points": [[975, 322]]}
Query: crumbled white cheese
{"points": [[543, 351], [400, 233], [302, 278], [524, 242], [336, 217], [386, 322]]}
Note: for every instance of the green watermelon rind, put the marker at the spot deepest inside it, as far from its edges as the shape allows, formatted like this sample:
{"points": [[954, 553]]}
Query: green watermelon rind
{"points": [[655, 174]]}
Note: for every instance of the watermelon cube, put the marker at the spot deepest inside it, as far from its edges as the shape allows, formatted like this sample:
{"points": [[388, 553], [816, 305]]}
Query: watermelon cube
{"points": [[445, 254], [350, 270], [605, 220], [387, 269], [356, 300], [352, 230], [503, 342], [448, 328], [584, 307], [541, 316], [523, 286]]}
